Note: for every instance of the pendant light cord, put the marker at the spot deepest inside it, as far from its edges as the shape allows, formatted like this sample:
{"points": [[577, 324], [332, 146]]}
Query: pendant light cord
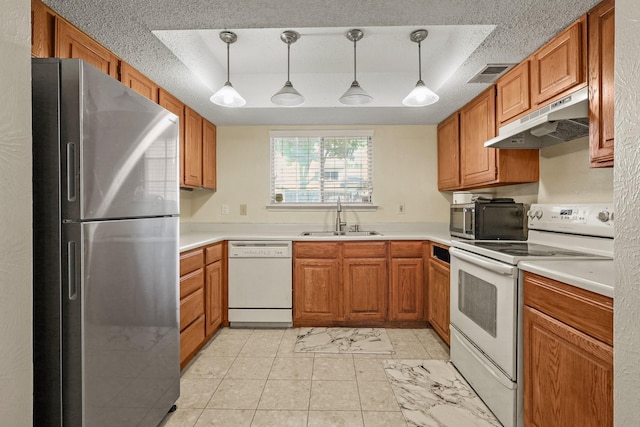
{"points": [[288, 61], [419, 61], [228, 71], [354, 60]]}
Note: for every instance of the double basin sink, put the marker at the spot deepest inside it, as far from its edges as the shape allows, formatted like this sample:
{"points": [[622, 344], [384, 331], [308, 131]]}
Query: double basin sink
{"points": [[340, 233]]}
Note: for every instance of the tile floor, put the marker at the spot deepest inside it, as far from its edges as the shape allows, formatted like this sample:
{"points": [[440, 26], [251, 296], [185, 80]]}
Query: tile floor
{"points": [[253, 377]]}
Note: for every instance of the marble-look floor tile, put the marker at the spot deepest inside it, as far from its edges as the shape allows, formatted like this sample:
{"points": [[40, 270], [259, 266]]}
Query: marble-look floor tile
{"points": [[234, 332], [334, 396], [181, 418], [250, 368], [272, 334], [385, 419], [224, 347], [287, 349], [237, 394], [401, 335], [328, 368], [377, 396], [432, 392], [335, 419], [286, 394], [410, 350], [344, 340], [291, 369], [279, 419], [225, 418], [196, 392], [370, 369], [262, 347], [208, 367]]}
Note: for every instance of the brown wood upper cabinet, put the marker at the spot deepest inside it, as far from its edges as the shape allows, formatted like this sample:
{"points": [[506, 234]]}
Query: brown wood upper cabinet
{"points": [[560, 65], [209, 167], [568, 355], [42, 30], [70, 42], [513, 93], [601, 20], [192, 148], [173, 104], [485, 167], [449, 153], [137, 81]]}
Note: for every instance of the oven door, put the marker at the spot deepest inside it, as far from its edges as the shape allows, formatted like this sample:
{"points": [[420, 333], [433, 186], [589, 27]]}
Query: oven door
{"points": [[484, 306]]}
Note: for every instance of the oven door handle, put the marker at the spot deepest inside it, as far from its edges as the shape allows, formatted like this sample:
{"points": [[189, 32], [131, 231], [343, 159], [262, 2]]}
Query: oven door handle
{"points": [[495, 266]]}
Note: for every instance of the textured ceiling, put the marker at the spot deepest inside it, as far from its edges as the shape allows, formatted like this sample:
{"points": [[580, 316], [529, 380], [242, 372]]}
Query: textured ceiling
{"points": [[125, 27]]}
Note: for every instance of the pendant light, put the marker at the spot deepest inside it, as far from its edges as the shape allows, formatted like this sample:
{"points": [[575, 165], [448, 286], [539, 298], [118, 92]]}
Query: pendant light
{"points": [[420, 95], [227, 96], [288, 96], [355, 95]]}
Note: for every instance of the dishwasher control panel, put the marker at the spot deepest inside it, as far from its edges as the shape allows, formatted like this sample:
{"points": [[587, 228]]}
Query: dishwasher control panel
{"points": [[260, 249]]}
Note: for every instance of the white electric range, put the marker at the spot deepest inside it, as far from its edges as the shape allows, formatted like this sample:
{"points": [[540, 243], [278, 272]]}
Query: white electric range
{"points": [[487, 302]]}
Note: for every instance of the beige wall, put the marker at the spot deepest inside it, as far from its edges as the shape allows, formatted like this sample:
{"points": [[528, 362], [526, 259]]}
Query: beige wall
{"points": [[16, 374], [404, 171]]}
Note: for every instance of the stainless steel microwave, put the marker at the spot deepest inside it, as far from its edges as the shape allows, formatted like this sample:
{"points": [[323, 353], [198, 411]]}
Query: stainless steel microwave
{"points": [[489, 220]]}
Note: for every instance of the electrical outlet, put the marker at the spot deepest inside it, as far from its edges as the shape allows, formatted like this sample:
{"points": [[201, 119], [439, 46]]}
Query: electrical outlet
{"points": [[401, 208], [224, 209], [243, 209]]}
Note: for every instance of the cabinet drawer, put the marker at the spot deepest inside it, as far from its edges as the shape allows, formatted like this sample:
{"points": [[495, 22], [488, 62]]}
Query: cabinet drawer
{"points": [[191, 308], [191, 282], [316, 250], [407, 249], [191, 338], [190, 261], [365, 250], [589, 312], [213, 253]]}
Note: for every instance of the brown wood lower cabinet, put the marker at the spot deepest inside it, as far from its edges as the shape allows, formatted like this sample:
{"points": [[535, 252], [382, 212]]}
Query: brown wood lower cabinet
{"points": [[568, 355], [438, 299], [202, 306], [359, 283]]}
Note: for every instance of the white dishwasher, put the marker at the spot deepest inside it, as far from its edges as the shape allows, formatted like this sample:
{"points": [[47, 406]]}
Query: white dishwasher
{"points": [[260, 284]]}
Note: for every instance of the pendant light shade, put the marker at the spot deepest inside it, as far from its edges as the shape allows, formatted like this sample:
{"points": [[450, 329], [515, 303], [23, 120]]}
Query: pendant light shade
{"points": [[421, 95], [227, 96], [288, 96], [355, 95]]}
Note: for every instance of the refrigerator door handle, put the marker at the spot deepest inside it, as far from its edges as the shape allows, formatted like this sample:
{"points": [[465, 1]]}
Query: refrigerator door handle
{"points": [[71, 171], [71, 270]]}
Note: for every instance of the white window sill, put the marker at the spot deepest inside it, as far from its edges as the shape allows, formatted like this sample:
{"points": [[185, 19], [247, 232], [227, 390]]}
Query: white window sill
{"points": [[316, 207]]}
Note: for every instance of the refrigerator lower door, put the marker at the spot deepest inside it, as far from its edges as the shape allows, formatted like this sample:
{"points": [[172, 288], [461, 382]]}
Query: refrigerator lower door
{"points": [[120, 334]]}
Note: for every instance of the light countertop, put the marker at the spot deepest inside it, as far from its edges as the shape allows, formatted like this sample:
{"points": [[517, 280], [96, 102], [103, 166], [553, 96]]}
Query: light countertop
{"points": [[196, 235], [592, 275]]}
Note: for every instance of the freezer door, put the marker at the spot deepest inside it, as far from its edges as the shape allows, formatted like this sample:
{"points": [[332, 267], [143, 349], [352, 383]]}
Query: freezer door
{"points": [[120, 337], [119, 150]]}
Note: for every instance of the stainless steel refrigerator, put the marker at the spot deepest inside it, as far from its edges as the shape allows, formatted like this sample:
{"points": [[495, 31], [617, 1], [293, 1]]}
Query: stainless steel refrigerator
{"points": [[105, 259]]}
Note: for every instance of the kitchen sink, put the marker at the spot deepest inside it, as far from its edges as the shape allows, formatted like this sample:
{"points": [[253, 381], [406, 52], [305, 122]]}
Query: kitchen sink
{"points": [[340, 233]]}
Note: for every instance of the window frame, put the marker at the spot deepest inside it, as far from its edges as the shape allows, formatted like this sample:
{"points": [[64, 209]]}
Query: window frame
{"points": [[319, 133]]}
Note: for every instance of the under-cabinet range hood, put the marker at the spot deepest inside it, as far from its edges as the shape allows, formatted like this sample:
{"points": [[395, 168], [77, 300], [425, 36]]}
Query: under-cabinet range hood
{"points": [[564, 120]]}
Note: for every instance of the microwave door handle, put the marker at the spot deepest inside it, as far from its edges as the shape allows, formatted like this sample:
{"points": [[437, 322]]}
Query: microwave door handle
{"points": [[488, 264]]}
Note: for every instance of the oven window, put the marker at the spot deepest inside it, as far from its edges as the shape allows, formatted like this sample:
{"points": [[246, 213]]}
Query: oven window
{"points": [[477, 299]]}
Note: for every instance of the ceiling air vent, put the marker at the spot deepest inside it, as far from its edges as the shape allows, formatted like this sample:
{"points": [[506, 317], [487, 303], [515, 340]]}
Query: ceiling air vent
{"points": [[490, 73]]}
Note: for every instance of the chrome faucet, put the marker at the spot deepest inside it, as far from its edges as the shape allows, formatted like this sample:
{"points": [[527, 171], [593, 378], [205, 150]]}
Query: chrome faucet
{"points": [[339, 223]]}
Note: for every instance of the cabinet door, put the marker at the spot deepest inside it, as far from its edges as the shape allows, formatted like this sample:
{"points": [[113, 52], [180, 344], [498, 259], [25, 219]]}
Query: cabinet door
{"points": [[42, 30], [73, 43], [137, 81], [477, 125], [213, 297], [173, 104], [568, 375], [406, 299], [513, 93], [559, 65], [192, 148], [439, 298], [317, 290], [208, 155], [601, 59], [449, 153], [365, 288]]}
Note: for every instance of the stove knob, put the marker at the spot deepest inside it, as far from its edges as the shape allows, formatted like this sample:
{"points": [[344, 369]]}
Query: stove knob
{"points": [[531, 214], [539, 213], [604, 216]]}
